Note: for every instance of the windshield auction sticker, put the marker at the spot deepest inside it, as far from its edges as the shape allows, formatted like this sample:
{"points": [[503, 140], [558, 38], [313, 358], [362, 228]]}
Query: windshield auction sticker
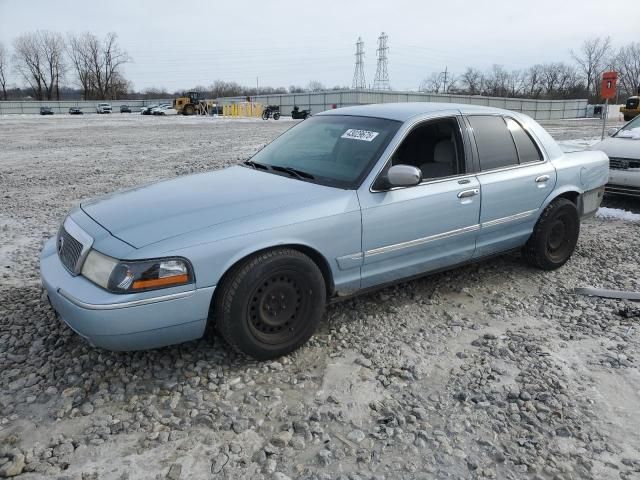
{"points": [[365, 135]]}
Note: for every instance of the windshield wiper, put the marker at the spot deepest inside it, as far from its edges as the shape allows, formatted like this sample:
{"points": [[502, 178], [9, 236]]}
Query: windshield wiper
{"points": [[255, 165], [294, 172]]}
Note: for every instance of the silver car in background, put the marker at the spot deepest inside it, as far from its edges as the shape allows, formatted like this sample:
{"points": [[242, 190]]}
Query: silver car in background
{"points": [[348, 200], [623, 149]]}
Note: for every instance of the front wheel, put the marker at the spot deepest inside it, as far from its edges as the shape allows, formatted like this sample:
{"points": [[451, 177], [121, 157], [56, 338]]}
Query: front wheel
{"points": [[555, 236], [265, 115], [271, 303]]}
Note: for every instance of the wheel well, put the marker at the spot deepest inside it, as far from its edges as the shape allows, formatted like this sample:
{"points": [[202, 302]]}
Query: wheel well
{"points": [[313, 254], [571, 196]]}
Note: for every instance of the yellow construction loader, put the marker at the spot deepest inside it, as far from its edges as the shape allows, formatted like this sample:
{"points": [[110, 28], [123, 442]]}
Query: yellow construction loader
{"points": [[192, 104]]}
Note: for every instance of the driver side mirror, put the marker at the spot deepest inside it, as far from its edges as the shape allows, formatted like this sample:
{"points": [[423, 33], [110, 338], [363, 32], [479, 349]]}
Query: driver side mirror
{"points": [[404, 176]]}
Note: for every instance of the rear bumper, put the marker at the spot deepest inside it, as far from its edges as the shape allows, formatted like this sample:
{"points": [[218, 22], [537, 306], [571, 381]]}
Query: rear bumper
{"points": [[124, 322]]}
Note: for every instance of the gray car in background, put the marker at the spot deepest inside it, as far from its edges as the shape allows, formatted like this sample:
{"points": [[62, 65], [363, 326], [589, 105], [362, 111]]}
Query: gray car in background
{"points": [[346, 201], [623, 149]]}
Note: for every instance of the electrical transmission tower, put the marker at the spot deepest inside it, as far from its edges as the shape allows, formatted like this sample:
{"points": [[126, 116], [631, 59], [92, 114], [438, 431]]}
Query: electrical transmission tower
{"points": [[381, 81], [359, 82]]}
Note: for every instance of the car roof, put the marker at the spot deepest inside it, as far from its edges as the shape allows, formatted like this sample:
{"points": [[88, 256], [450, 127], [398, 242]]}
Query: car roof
{"points": [[404, 111]]}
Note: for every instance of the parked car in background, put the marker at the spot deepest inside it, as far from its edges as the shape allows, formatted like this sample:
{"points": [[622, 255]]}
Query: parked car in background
{"points": [[159, 107], [165, 110], [348, 200], [46, 111], [103, 108], [623, 149], [147, 110], [75, 111], [125, 109]]}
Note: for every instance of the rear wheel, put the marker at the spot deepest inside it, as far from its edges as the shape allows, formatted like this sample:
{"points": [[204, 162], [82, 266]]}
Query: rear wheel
{"points": [[271, 303], [188, 110], [276, 115], [555, 236], [627, 118]]}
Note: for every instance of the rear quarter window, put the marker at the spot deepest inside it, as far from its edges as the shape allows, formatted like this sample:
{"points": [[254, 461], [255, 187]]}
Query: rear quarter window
{"points": [[527, 149], [496, 147]]}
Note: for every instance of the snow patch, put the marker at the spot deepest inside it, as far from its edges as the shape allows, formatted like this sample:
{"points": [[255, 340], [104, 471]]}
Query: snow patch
{"points": [[617, 214]]}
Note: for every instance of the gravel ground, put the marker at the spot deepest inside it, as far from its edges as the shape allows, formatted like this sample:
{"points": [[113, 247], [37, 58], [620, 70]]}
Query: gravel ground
{"points": [[494, 370]]}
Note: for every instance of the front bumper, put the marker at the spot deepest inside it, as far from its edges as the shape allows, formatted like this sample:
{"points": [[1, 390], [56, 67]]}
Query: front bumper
{"points": [[124, 322], [624, 182]]}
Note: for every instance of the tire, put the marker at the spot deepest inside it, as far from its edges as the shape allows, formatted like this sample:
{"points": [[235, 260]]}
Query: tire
{"points": [[276, 116], [188, 110], [627, 117], [555, 236], [265, 115], [271, 303]]}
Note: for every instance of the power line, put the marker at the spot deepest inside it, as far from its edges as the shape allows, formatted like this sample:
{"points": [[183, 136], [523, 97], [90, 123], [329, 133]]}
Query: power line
{"points": [[359, 82]]}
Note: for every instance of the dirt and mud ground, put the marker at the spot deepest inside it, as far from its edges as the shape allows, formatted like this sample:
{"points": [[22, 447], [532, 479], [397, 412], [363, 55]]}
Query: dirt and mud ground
{"points": [[494, 370]]}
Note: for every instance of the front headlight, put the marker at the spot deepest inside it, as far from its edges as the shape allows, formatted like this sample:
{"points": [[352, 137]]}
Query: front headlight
{"points": [[136, 276]]}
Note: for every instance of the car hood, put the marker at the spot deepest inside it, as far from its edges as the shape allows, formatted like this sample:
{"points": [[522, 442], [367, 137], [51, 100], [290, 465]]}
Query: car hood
{"points": [[619, 147], [155, 212]]}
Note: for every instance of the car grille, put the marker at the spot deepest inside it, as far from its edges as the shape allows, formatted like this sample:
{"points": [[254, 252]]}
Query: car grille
{"points": [[623, 163], [69, 251]]}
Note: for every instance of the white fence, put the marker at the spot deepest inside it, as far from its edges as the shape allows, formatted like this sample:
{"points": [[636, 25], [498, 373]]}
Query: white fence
{"points": [[87, 106], [319, 101]]}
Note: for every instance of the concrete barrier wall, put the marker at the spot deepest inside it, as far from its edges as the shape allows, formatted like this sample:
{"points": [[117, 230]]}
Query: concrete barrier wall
{"points": [[320, 101], [33, 107]]}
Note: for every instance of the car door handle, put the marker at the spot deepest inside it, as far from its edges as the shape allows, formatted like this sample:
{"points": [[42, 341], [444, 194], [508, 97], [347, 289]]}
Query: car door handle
{"points": [[542, 178], [469, 193]]}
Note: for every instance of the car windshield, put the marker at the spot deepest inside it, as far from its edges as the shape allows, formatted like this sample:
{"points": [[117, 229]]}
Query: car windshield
{"points": [[635, 123], [334, 150]]}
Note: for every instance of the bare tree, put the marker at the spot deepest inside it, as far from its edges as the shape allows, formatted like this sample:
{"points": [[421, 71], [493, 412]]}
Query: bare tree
{"points": [[591, 59], [497, 81], [431, 84], [315, 86], [52, 48], [39, 58], [28, 62], [627, 64], [77, 47], [4, 66], [97, 65], [515, 83], [220, 88], [533, 81], [472, 81]]}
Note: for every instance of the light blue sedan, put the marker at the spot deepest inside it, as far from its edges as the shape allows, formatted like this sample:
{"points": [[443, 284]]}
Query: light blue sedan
{"points": [[348, 200]]}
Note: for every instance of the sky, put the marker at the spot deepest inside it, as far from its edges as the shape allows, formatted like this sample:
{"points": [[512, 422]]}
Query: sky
{"points": [[180, 44]]}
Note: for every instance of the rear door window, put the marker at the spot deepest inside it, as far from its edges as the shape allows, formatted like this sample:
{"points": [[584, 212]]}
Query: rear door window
{"points": [[496, 147], [527, 150]]}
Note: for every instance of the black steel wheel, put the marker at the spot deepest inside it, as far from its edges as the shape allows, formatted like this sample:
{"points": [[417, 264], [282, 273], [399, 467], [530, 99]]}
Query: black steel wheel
{"points": [[555, 235], [271, 303]]}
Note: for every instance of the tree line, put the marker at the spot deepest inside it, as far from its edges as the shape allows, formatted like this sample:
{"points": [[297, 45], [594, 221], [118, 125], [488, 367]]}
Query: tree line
{"points": [[83, 66], [44, 60], [554, 80]]}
